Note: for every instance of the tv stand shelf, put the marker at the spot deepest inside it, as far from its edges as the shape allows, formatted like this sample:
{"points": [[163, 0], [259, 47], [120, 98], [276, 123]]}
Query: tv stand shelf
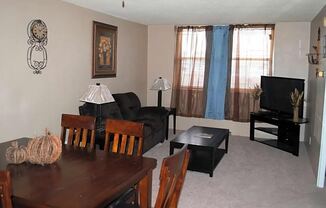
{"points": [[287, 131], [268, 130], [279, 145]]}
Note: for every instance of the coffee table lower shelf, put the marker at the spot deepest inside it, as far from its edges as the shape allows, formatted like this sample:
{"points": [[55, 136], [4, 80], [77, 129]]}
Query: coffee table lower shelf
{"points": [[201, 161]]}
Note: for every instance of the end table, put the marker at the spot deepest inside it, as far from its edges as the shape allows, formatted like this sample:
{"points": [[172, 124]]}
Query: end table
{"points": [[172, 111]]}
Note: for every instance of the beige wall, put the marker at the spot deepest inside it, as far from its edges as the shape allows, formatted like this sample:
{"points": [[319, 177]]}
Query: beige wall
{"points": [[315, 95], [161, 44], [29, 103], [291, 45], [292, 41]]}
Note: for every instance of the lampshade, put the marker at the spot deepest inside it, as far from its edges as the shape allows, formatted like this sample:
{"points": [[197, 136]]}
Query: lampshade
{"points": [[97, 94], [161, 84]]}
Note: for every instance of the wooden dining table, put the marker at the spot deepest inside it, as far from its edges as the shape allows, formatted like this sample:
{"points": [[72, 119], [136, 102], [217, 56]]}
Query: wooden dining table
{"points": [[80, 178]]}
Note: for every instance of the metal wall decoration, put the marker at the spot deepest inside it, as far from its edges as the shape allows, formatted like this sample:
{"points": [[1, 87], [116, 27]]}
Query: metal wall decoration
{"points": [[313, 58], [324, 46], [37, 40]]}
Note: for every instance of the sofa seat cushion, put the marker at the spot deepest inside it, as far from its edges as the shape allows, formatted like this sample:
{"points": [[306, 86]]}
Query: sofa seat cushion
{"points": [[152, 122], [147, 131]]}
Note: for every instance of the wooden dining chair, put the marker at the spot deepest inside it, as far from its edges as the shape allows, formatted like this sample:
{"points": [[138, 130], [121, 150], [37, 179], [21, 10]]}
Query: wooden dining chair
{"points": [[128, 136], [172, 177], [79, 128], [5, 189]]}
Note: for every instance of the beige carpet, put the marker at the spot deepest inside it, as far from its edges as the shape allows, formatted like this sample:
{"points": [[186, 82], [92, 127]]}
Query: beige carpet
{"points": [[251, 175]]}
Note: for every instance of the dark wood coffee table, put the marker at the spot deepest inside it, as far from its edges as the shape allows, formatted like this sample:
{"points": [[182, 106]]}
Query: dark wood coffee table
{"points": [[203, 143]]}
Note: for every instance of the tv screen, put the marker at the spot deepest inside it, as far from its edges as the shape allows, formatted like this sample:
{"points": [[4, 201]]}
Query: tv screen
{"points": [[276, 94]]}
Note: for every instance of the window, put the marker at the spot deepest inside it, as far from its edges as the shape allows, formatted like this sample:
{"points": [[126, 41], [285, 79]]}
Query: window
{"points": [[188, 93], [252, 54], [193, 57]]}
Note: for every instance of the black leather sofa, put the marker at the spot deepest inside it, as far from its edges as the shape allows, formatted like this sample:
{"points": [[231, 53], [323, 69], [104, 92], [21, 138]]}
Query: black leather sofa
{"points": [[127, 107]]}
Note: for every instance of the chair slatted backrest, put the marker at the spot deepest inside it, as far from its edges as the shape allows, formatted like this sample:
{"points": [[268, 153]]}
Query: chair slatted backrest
{"points": [[172, 176], [79, 128], [126, 135], [5, 189]]}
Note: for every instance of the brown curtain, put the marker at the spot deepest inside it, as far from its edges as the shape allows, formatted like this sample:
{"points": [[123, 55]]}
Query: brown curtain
{"points": [[228, 81], [191, 65], [252, 57]]}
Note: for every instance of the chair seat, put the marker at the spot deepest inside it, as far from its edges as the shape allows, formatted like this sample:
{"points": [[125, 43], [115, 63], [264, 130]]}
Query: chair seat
{"points": [[127, 200]]}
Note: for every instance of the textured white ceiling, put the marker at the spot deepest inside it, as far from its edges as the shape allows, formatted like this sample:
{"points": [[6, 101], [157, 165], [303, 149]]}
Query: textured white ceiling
{"points": [[151, 12]]}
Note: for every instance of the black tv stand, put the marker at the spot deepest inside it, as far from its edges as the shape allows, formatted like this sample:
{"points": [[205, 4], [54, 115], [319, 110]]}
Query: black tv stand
{"points": [[286, 130]]}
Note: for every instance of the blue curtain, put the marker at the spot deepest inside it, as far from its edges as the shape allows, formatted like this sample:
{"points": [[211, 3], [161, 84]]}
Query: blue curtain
{"points": [[217, 78]]}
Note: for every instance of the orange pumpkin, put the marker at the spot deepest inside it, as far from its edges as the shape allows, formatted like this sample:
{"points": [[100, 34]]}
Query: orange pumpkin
{"points": [[45, 149]]}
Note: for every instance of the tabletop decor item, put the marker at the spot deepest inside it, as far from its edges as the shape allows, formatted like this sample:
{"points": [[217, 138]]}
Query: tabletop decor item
{"points": [[97, 94], [160, 84], [104, 50], [40, 150], [296, 97], [37, 40], [16, 154], [44, 149], [256, 95]]}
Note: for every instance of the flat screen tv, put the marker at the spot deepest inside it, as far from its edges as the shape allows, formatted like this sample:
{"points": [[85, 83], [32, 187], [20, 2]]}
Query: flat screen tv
{"points": [[276, 94]]}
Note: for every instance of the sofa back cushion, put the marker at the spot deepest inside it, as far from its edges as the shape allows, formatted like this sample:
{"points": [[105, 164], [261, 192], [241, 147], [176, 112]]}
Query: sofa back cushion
{"points": [[111, 110], [129, 104]]}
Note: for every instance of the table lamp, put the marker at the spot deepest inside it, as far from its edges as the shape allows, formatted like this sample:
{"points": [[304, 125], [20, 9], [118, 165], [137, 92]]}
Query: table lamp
{"points": [[97, 94], [160, 84]]}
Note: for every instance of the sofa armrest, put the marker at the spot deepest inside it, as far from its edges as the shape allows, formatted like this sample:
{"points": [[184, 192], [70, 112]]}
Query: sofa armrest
{"points": [[108, 110], [87, 109], [152, 111]]}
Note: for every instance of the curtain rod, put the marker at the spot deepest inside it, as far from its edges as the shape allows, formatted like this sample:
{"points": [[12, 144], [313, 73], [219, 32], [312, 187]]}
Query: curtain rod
{"points": [[232, 25]]}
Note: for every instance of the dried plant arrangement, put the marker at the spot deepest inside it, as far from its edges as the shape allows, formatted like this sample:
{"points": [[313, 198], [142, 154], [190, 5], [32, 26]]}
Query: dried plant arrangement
{"points": [[296, 97], [256, 92]]}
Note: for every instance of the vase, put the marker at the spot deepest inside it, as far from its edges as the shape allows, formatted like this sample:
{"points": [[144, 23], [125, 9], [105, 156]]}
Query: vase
{"points": [[295, 113], [254, 106]]}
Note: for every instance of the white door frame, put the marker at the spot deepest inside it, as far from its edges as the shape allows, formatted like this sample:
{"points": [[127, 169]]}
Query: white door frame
{"points": [[322, 152]]}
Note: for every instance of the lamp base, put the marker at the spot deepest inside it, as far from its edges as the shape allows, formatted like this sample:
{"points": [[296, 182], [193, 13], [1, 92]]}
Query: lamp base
{"points": [[159, 98]]}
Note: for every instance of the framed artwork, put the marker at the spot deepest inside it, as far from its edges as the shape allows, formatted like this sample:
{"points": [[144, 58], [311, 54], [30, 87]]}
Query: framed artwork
{"points": [[104, 50]]}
